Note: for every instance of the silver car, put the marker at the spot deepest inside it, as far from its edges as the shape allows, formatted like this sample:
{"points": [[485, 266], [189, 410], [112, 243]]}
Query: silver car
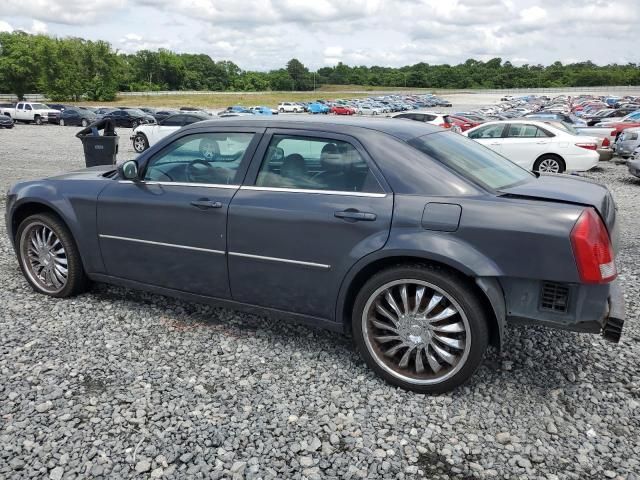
{"points": [[627, 142]]}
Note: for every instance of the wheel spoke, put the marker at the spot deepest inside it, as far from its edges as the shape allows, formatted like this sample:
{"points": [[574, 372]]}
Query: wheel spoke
{"points": [[404, 361], [418, 299], [395, 349], [450, 342], [433, 303], [384, 326], [383, 311], [433, 363], [405, 298], [443, 354], [446, 313], [457, 327], [393, 303], [419, 364], [387, 338]]}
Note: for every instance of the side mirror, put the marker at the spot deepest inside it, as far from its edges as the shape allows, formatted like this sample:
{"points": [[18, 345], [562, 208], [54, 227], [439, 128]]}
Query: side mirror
{"points": [[129, 170]]}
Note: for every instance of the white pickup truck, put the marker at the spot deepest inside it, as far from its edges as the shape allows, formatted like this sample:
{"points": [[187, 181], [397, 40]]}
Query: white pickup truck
{"points": [[37, 113]]}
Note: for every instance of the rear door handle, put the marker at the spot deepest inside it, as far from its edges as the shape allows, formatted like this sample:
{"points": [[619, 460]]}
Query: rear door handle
{"points": [[355, 215], [205, 204]]}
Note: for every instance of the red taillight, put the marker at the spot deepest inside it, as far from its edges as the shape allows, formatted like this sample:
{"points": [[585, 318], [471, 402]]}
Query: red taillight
{"points": [[592, 249], [445, 125], [588, 146], [613, 133], [606, 142]]}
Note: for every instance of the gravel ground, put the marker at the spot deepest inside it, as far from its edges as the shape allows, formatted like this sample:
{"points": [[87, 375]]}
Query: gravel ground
{"points": [[117, 383]]}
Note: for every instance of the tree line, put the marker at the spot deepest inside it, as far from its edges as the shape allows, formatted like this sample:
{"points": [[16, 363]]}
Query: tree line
{"points": [[75, 68]]}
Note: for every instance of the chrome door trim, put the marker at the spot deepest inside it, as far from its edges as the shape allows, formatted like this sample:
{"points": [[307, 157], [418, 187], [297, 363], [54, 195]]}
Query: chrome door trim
{"points": [[315, 192], [183, 184], [282, 260], [161, 244]]}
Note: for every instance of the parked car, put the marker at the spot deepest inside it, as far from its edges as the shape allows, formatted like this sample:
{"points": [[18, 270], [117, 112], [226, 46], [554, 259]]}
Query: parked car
{"points": [[6, 121], [163, 113], [290, 107], [604, 148], [633, 164], [129, 118], [628, 141], [461, 123], [433, 118], [76, 116], [30, 112], [261, 110], [538, 146], [368, 110], [297, 222], [317, 108], [102, 111], [342, 110], [146, 135], [54, 115]]}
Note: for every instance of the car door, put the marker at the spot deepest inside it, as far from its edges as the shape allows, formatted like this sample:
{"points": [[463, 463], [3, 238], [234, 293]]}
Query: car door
{"points": [[524, 143], [489, 135], [313, 204], [19, 112], [169, 229]]}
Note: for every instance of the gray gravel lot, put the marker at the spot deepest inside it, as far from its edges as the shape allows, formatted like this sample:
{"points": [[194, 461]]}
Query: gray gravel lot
{"points": [[117, 383]]}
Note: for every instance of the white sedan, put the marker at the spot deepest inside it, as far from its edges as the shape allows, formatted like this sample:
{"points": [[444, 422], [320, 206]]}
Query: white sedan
{"points": [[538, 146], [148, 134]]}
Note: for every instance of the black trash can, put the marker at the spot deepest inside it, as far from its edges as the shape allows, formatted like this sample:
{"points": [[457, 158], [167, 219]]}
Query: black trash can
{"points": [[99, 149]]}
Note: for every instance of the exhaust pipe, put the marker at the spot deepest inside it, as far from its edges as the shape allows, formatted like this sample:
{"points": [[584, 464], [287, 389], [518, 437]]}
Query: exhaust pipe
{"points": [[612, 329]]}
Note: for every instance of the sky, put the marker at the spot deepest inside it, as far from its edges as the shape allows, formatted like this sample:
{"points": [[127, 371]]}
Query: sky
{"points": [[265, 34]]}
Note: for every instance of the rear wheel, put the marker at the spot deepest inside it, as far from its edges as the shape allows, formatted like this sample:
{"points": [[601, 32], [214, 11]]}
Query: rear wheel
{"points": [[421, 328], [549, 164], [48, 256]]}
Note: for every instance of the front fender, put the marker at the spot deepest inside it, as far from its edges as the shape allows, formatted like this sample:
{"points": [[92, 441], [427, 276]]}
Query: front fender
{"points": [[74, 202]]}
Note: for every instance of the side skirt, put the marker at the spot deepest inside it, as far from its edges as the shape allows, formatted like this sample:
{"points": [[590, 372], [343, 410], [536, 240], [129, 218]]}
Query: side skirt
{"points": [[308, 320]]}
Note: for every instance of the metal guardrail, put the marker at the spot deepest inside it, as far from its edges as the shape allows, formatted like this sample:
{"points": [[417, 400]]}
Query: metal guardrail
{"points": [[29, 97]]}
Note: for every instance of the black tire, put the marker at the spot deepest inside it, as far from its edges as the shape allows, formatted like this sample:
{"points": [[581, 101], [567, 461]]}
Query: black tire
{"points": [[76, 281], [548, 160], [37, 120], [282, 110], [453, 286], [134, 124], [140, 142]]}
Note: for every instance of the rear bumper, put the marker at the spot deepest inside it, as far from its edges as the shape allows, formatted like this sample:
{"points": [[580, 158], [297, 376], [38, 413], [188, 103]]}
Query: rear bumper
{"points": [[614, 321], [606, 154]]}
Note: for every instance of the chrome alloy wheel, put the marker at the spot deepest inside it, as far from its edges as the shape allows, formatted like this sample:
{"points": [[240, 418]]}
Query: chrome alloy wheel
{"points": [[416, 331], [549, 165], [43, 257], [139, 144]]}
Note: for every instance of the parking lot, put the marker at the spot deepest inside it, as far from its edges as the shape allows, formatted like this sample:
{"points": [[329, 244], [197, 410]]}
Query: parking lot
{"points": [[116, 382]]}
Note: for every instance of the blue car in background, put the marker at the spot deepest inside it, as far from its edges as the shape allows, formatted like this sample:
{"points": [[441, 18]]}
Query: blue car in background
{"points": [[318, 108]]}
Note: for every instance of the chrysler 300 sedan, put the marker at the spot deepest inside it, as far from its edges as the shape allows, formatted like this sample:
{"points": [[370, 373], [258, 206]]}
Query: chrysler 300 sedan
{"points": [[420, 242]]}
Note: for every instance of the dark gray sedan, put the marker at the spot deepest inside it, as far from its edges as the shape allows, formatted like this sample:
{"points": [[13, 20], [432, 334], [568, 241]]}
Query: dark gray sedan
{"points": [[420, 242]]}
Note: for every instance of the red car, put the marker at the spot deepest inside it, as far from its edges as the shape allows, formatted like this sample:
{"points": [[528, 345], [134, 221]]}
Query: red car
{"points": [[463, 123], [342, 110], [619, 127]]}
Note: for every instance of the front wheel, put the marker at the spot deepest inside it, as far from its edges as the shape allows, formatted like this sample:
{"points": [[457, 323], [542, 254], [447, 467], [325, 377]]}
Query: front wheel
{"points": [[549, 164], [48, 256], [140, 143], [37, 120], [421, 328]]}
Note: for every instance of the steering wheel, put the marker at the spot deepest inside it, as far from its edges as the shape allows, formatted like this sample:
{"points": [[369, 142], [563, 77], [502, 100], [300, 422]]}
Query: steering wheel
{"points": [[200, 171]]}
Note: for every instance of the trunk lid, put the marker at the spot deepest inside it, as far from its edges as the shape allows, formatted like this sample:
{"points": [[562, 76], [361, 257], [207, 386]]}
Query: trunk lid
{"points": [[570, 189]]}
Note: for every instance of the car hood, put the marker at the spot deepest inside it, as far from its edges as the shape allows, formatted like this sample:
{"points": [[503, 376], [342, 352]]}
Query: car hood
{"points": [[567, 189], [85, 173]]}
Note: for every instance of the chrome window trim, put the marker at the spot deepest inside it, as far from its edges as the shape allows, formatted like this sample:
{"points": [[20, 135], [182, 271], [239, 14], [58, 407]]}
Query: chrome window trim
{"points": [[161, 244], [183, 184], [315, 192], [282, 260]]}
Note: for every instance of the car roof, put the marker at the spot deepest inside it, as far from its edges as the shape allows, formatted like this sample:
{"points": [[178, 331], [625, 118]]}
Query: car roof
{"points": [[403, 130]]}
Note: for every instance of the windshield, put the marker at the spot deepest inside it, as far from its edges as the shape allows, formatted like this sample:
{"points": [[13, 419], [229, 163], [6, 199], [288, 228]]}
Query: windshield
{"points": [[471, 160], [39, 106]]}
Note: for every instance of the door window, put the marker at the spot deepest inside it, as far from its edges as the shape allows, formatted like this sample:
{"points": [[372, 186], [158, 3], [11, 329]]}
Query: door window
{"points": [[315, 164], [525, 131], [489, 131], [28, 107], [173, 121], [20, 106], [212, 158]]}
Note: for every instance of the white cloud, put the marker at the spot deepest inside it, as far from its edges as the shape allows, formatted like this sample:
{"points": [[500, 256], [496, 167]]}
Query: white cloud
{"points": [[5, 27], [264, 34]]}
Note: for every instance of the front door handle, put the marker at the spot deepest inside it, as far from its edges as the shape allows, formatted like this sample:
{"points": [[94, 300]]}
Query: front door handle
{"points": [[206, 204], [355, 215]]}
